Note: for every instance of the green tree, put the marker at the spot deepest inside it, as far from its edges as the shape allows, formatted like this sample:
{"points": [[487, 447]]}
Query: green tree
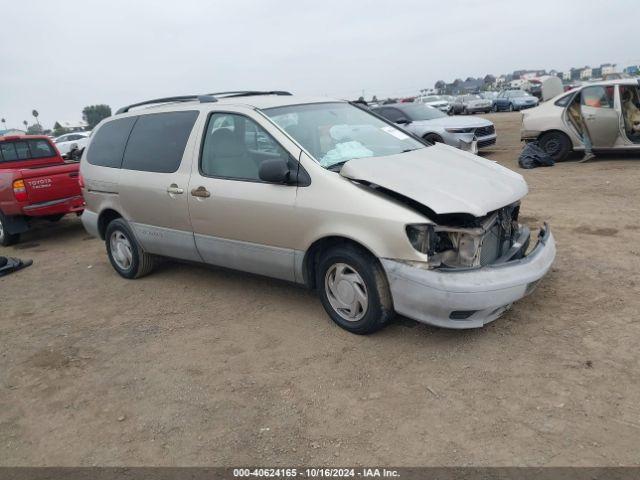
{"points": [[35, 115], [59, 130], [34, 129], [94, 114]]}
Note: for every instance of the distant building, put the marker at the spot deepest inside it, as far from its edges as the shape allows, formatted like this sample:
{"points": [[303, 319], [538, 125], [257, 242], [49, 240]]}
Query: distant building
{"points": [[586, 73], [607, 68], [632, 70], [73, 126]]}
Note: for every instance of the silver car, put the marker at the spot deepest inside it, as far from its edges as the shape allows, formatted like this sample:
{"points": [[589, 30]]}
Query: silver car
{"points": [[435, 101], [465, 133], [467, 104], [318, 192]]}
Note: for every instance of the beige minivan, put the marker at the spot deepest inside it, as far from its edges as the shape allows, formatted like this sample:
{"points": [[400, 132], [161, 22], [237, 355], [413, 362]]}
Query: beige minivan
{"points": [[318, 192]]}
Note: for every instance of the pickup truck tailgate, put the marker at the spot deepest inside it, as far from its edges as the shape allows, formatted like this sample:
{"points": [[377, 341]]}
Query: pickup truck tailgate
{"points": [[52, 182]]}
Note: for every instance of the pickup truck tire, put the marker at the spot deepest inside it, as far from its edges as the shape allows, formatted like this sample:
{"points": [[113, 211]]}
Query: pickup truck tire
{"points": [[125, 254], [354, 290], [6, 238]]}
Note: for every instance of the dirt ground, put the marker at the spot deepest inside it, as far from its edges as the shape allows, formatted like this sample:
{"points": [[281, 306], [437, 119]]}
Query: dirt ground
{"points": [[201, 366]]}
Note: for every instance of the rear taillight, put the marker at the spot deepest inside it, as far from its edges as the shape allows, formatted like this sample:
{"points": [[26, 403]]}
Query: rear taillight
{"points": [[81, 181], [19, 190]]}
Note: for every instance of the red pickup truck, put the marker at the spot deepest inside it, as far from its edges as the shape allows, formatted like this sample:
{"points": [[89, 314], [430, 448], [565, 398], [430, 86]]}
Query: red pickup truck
{"points": [[34, 182]]}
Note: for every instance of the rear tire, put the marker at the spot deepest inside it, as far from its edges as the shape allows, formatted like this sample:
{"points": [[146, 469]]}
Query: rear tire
{"points": [[7, 239], [125, 254], [354, 290], [556, 144]]}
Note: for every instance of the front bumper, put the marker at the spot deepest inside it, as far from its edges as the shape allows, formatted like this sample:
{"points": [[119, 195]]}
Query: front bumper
{"points": [[445, 298], [487, 141]]}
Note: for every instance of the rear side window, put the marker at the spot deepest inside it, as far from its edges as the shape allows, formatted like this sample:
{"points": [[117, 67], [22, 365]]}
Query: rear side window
{"points": [[107, 146], [597, 96], [158, 140], [25, 150]]}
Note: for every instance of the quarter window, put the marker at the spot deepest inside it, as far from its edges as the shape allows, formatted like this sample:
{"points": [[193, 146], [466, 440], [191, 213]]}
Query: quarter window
{"points": [[107, 146], [158, 140], [564, 101], [235, 146]]}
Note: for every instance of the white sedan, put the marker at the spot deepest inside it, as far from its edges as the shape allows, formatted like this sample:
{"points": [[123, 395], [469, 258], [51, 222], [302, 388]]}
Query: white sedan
{"points": [[67, 142]]}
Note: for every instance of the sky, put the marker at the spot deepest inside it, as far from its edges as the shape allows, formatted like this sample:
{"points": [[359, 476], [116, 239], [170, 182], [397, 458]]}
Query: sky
{"points": [[58, 57]]}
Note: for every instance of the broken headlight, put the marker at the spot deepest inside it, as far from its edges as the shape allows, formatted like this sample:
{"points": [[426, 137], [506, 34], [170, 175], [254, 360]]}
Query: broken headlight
{"points": [[426, 240], [446, 246]]}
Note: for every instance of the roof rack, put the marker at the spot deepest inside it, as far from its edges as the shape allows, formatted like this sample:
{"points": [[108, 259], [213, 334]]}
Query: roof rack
{"points": [[208, 98], [250, 93]]}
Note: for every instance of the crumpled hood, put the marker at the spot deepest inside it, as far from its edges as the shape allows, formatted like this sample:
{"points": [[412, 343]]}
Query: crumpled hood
{"points": [[442, 178]]}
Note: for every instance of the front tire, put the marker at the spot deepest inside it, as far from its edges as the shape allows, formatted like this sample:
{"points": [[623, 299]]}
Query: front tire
{"points": [[7, 239], [125, 254], [354, 290], [555, 144], [511, 109]]}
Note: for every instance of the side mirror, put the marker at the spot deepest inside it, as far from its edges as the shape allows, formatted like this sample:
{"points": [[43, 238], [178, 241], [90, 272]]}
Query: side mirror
{"points": [[275, 171], [403, 121]]}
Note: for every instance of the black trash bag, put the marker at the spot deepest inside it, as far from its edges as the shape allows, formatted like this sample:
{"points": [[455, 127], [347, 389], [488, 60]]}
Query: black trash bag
{"points": [[9, 265], [533, 156]]}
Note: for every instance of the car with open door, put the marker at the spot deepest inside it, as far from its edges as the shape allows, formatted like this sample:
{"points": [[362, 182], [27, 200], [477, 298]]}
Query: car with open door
{"points": [[318, 192], [608, 111]]}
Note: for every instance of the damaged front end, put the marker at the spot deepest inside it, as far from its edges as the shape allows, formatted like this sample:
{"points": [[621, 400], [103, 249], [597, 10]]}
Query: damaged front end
{"points": [[466, 242]]}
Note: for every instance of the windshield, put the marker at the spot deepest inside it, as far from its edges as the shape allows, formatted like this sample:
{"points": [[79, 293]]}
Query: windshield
{"points": [[418, 112], [472, 97], [334, 133]]}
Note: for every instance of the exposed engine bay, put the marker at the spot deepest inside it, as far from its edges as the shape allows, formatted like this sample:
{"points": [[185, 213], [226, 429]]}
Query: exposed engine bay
{"points": [[492, 239]]}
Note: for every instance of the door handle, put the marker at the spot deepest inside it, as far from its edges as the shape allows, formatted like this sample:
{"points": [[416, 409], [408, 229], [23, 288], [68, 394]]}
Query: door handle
{"points": [[175, 189], [200, 192]]}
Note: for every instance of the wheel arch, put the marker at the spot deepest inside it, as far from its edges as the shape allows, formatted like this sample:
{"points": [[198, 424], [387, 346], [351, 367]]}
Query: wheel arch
{"points": [[313, 253], [106, 217]]}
